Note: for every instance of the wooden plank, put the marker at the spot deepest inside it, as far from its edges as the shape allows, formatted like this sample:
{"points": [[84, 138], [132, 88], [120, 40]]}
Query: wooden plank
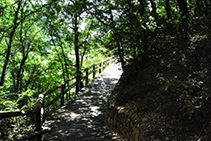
{"points": [[62, 96], [19, 113], [40, 101], [98, 63], [52, 101], [56, 98], [73, 85], [70, 79], [52, 89], [94, 71], [100, 67], [39, 116], [87, 76]]}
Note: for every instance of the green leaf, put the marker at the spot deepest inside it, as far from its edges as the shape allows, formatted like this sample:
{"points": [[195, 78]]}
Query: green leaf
{"points": [[199, 83], [166, 87]]}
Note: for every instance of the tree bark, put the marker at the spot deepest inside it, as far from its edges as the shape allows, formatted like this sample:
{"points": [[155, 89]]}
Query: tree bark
{"points": [[168, 9], [19, 72], [183, 7], [142, 7], [65, 61], [63, 54], [10, 44], [121, 54], [76, 51]]}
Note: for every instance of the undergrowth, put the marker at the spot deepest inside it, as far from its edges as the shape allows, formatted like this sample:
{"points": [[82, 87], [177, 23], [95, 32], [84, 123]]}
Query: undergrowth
{"points": [[172, 79]]}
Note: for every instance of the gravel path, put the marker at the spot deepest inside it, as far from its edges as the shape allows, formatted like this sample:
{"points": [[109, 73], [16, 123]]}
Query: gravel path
{"points": [[83, 119]]}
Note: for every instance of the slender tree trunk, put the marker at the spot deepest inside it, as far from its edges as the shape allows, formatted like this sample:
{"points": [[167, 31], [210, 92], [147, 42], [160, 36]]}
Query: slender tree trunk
{"points": [[13, 76], [63, 71], [142, 7], [168, 9], [138, 46], [77, 51], [63, 54], [121, 55], [120, 52], [65, 62], [82, 57], [183, 7], [29, 81], [21, 81], [19, 72], [10, 44], [19, 78]]}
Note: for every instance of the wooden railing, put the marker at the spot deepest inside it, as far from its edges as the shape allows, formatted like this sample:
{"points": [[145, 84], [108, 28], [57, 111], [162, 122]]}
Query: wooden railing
{"points": [[40, 106]]}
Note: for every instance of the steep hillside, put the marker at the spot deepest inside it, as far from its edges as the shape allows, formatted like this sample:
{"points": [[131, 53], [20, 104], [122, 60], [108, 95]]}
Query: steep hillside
{"points": [[169, 90]]}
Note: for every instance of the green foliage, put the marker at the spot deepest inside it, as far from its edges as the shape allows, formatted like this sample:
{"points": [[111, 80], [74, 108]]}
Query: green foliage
{"points": [[16, 102], [170, 65], [38, 39], [42, 44], [18, 127], [171, 80]]}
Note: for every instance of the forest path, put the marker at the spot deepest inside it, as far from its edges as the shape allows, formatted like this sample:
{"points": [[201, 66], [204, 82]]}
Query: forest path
{"points": [[84, 119]]}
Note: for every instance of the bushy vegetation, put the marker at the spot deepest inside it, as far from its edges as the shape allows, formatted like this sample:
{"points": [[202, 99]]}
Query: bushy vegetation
{"points": [[169, 67], [167, 43], [42, 44], [172, 82]]}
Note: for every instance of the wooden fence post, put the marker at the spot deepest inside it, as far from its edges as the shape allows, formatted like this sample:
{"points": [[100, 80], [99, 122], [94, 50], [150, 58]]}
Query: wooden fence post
{"points": [[87, 76], [100, 67], [77, 86], [104, 63], [67, 94], [39, 115], [62, 97], [69, 91], [93, 71], [108, 62]]}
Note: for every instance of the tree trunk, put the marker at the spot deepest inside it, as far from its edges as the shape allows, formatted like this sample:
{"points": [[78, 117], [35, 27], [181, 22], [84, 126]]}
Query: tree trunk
{"points": [[168, 9], [142, 7], [63, 71], [82, 57], [65, 62], [183, 7], [121, 55], [19, 72], [77, 52], [10, 44]]}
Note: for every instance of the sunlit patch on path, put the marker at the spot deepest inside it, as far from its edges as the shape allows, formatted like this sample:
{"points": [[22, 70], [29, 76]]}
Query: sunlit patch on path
{"points": [[83, 120]]}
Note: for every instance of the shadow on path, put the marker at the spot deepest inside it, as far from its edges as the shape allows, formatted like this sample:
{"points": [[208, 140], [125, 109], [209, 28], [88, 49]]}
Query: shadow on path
{"points": [[84, 119]]}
